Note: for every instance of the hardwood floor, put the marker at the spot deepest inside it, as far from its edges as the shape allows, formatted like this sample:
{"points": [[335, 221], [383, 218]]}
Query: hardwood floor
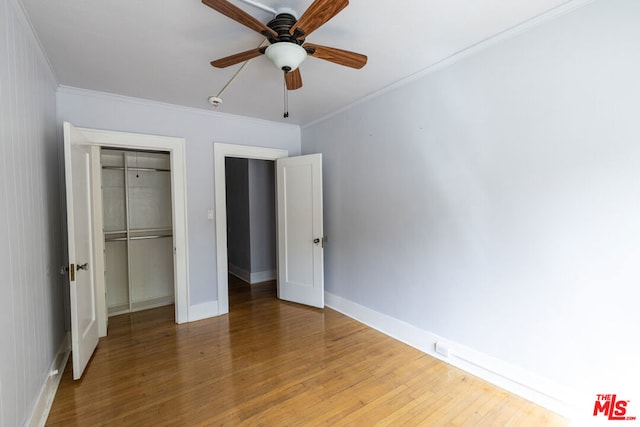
{"points": [[274, 363]]}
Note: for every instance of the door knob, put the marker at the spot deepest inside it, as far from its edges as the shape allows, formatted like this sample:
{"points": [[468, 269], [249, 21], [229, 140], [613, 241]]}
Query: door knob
{"points": [[319, 240]]}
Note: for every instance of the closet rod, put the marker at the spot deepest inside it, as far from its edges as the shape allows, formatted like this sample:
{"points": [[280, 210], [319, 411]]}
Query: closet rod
{"points": [[120, 168], [122, 239]]}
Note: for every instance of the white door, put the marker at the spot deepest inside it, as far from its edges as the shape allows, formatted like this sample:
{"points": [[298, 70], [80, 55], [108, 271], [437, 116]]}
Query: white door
{"points": [[84, 322], [300, 230]]}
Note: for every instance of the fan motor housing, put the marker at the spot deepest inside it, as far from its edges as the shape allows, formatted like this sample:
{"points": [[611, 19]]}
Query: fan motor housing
{"points": [[281, 24]]}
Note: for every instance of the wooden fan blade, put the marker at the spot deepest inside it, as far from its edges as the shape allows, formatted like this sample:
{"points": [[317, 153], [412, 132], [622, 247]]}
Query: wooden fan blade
{"points": [[338, 56], [293, 79], [317, 14], [232, 11], [236, 59]]}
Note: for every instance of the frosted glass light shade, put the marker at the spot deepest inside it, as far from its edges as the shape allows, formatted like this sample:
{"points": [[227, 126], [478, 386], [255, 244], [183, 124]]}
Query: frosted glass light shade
{"points": [[286, 56]]}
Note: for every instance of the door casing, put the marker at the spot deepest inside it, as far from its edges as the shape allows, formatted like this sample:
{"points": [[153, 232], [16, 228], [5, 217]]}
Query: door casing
{"points": [[176, 148]]}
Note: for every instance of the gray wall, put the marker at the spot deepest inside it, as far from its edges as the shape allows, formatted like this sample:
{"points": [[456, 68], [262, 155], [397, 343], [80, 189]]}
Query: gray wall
{"points": [[251, 223], [238, 226], [201, 129], [262, 215], [495, 201], [31, 293]]}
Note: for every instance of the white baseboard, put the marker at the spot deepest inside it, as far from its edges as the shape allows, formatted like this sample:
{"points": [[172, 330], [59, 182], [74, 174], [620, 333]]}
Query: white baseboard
{"points": [[203, 311], [240, 273], [48, 391], [513, 379], [263, 276], [252, 278]]}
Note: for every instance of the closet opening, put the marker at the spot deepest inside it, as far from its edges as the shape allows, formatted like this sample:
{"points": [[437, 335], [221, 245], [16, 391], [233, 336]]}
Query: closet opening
{"points": [[138, 230]]}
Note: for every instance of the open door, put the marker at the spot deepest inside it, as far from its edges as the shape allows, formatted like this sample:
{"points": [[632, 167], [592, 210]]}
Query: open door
{"points": [[300, 230], [84, 319]]}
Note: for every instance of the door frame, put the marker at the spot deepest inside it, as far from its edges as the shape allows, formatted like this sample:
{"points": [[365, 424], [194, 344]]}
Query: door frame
{"points": [[176, 148], [220, 152]]}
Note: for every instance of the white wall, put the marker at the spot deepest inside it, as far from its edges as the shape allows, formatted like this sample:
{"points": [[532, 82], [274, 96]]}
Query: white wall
{"points": [[496, 201], [31, 296], [200, 128]]}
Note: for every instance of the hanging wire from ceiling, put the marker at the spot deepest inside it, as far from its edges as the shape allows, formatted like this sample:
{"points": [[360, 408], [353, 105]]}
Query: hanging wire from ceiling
{"points": [[216, 100]]}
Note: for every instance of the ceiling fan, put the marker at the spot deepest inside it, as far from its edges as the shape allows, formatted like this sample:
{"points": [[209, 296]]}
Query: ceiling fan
{"points": [[287, 38]]}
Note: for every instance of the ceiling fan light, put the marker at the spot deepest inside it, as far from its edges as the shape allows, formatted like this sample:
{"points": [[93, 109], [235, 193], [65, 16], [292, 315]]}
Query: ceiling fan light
{"points": [[286, 56]]}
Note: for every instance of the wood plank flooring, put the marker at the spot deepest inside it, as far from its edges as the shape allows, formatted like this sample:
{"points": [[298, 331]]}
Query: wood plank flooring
{"points": [[273, 363]]}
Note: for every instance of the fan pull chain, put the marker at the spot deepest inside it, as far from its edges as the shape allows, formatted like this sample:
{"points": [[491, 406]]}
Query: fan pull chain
{"points": [[286, 99]]}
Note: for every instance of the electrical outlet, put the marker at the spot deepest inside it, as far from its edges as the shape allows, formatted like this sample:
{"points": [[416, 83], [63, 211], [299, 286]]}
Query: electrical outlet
{"points": [[442, 348], [210, 214]]}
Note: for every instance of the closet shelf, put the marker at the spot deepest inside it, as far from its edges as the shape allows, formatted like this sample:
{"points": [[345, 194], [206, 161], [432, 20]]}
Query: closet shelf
{"points": [[121, 168], [139, 230]]}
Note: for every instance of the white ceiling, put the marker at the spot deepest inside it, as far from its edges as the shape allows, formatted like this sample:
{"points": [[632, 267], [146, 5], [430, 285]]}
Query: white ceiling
{"points": [[161, 49]]}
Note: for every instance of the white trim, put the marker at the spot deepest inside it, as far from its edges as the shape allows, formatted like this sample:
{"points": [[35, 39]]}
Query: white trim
{"points": [[240, 273], [203, 311], [563, 9], [176, 146], [263, 276], [48, 391], [511, 378], [252, 278], [220, 152]]}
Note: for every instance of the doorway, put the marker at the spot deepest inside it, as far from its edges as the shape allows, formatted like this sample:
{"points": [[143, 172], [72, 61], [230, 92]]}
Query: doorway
{"points": [[300, 237], [251, 219], [176, 149], [221, 153], [138, 230]]}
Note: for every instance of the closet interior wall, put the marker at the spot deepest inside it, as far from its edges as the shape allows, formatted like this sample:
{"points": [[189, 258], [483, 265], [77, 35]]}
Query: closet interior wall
{"points": [[138, 234]]}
